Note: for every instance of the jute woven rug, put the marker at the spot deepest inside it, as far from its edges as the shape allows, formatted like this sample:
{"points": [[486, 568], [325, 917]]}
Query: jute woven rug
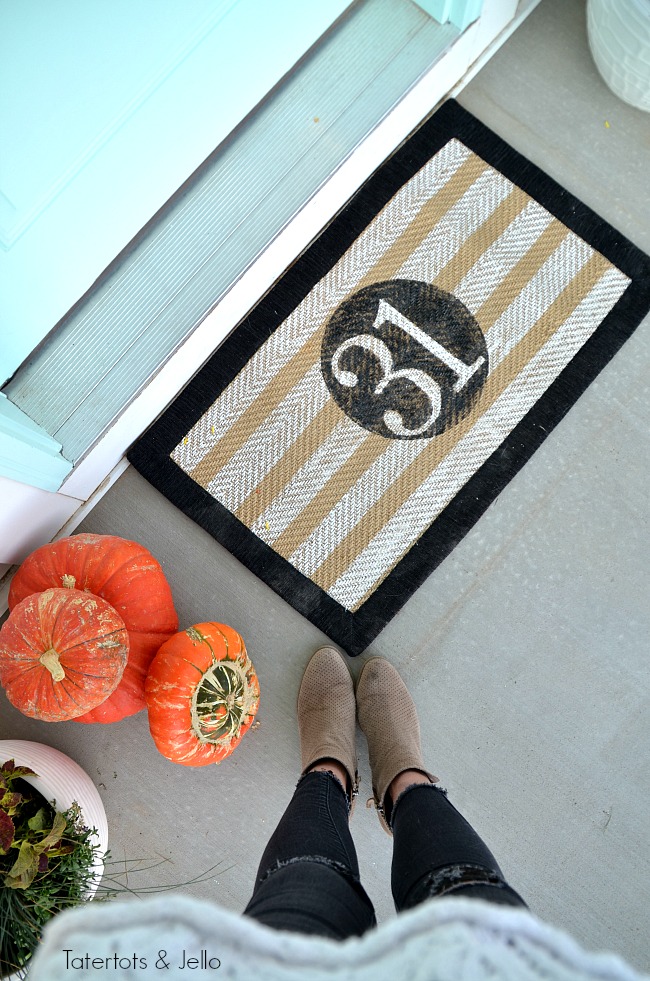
{"points": [[364, 415]]}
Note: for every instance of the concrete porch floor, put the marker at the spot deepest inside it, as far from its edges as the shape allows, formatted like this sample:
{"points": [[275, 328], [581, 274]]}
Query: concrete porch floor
{"points": [[526, 651]]}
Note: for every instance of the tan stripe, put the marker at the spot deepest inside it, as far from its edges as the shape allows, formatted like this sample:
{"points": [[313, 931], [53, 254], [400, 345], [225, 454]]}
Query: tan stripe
{"points": [[274, 393], [429, 215], [372, 522], [481, 239], [295, 457], [337, 485], [340, 483], [280, 386], [520, 275]]}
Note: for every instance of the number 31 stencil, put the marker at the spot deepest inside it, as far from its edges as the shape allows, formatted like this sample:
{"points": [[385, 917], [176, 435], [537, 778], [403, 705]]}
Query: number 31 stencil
{"points": [[404, 359]]}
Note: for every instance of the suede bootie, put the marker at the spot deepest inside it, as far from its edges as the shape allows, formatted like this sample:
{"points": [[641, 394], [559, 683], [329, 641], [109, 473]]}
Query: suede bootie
{"points": [[327, 715], [389, 720]]}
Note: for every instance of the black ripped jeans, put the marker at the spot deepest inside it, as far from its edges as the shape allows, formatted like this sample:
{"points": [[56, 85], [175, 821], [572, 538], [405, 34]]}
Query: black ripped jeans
{"points": [[308, 879]]}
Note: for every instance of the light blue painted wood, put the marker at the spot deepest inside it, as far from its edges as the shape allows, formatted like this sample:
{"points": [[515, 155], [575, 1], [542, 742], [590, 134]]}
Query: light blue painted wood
{"points": [[107, 108], [27, 452], [460, 13]]}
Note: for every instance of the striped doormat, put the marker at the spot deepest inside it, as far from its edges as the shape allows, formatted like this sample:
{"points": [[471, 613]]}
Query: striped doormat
{"points": [[359, 421]]}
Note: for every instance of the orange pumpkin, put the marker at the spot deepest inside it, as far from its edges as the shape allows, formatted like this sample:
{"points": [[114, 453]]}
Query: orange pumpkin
{"points": [[202, 694], [62, 652], [128, 577]]}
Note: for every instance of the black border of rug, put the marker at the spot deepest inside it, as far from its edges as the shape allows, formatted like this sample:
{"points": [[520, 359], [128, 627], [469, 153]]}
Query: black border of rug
{"points": [[355, 631]]}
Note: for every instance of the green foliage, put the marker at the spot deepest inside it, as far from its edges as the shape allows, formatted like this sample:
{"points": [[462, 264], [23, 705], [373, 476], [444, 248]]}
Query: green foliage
{"points": [[46, 864]]}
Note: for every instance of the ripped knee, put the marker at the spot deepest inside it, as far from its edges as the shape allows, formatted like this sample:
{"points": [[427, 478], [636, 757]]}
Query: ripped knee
{"points": [[314, 859]]}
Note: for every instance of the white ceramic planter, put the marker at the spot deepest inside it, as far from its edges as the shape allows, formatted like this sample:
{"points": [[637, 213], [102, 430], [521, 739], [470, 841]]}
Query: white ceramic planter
{"points": [[63, 781], [619, 39]]}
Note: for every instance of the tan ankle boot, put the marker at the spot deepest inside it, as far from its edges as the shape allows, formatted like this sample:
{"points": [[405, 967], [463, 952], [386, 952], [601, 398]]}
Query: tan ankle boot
{"points": [[327, 715], [389, 720]]}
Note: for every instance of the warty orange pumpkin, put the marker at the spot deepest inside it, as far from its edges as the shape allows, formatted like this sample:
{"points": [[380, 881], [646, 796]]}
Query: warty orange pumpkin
{"points": [[202, 694], [62, 652], [127, 576]]}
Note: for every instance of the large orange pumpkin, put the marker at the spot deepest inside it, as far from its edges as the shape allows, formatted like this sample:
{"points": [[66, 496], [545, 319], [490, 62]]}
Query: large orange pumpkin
{"points": [[128, 577], [62, 652], [202, 694]]}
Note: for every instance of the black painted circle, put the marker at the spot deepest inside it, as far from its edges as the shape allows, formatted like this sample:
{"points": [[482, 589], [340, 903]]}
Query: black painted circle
{"points": [[377, 349]]}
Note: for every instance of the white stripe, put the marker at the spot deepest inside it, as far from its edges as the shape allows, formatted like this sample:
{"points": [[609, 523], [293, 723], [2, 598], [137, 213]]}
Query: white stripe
{"points": [[536, 297], [354, 504], [454, 228], [502, 256], [423, 506], [309, 316], [261, 451], [309, 480]]}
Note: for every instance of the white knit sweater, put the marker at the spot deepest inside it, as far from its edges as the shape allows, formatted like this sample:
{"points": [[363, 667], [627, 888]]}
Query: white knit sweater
{"points": [[441, 940]]}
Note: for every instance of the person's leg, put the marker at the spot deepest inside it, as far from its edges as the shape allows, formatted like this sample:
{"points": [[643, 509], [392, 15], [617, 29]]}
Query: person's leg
{"points": [[308, 878], [436, 852]]}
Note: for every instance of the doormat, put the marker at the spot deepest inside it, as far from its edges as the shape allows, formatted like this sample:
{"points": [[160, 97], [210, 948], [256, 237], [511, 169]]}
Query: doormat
{"points": [[362, 417]]}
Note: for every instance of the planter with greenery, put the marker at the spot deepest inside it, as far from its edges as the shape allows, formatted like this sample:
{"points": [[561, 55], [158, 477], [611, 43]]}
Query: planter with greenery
{"points": [[51, 854]]}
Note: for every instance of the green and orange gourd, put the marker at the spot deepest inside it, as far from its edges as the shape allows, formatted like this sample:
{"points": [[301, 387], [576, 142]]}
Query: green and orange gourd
{"points": [[202, 694]]}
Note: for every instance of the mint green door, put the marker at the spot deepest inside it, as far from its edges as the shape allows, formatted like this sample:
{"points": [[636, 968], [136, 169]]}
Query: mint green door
{"points": [[107, 107]]}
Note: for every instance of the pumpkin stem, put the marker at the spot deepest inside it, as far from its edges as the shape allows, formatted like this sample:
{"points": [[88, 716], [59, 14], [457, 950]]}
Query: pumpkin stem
{"points": [[50, 660], [68, 582]]}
